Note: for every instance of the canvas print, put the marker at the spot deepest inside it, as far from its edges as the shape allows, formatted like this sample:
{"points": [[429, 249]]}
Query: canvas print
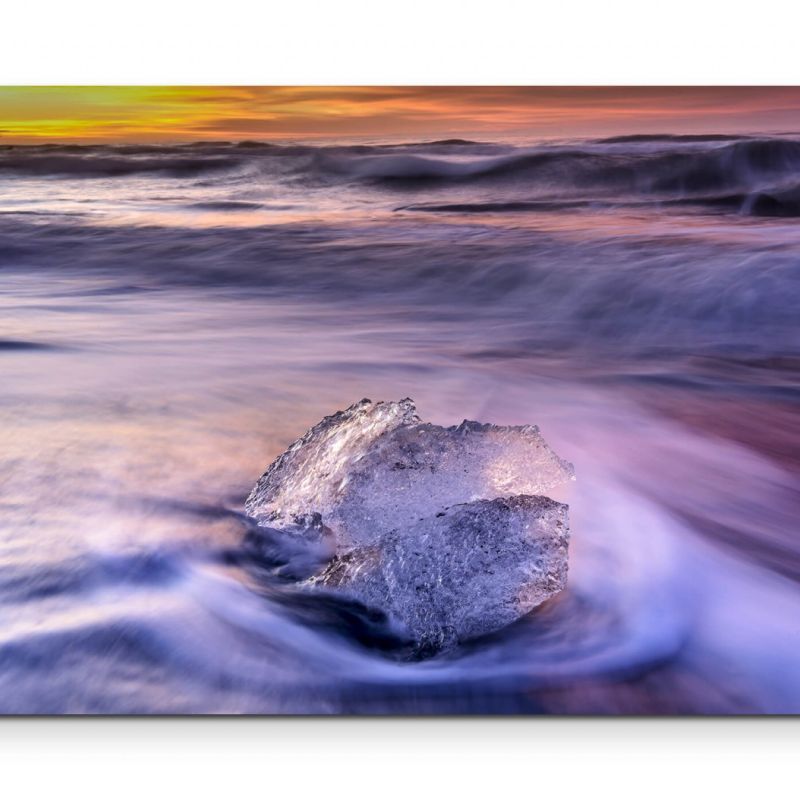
{"points": [[399, 400]]}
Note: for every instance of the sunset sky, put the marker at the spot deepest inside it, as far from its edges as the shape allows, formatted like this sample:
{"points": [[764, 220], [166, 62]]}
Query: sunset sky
{"points": [[191, 113]]}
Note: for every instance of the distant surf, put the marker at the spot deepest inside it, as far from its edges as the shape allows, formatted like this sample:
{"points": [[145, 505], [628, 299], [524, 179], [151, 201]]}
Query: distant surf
{"points": [[745, 175]]}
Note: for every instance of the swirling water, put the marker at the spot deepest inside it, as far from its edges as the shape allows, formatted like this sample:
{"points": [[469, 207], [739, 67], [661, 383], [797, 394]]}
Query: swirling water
{"points": [[172, 317]]}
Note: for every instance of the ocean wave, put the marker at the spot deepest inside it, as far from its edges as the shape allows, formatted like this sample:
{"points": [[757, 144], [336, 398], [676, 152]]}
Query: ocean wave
{"points": [[755, 174], [737, 165], [414, 169], [24, 345], [782, 201], [79, 164], [510, 206], [636, 138], [226, 205], [525, 290]]}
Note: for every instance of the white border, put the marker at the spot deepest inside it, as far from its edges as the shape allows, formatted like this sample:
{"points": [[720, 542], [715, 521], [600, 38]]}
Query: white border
{"points": [[416, 759], [431, 42], [291, 42]]}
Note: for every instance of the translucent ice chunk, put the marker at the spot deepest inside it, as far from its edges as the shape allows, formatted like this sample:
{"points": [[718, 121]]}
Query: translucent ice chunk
{"points": [[306, 481], [376, 466], [443, 529], [460, 573]]}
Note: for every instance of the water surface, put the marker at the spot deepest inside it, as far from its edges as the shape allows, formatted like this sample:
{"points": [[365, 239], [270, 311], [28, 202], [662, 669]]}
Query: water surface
{"points": [[173, 317]]}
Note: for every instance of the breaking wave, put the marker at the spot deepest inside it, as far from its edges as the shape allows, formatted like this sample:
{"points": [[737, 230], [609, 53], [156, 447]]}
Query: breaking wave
{"points": [[747, 175], [756, 176]]}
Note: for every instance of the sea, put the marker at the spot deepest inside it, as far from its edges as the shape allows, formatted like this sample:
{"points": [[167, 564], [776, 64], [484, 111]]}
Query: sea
{"points": [[173, 316]]}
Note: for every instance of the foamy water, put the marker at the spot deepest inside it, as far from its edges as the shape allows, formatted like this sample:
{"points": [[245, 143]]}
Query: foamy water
{"points": [[173, 317]]}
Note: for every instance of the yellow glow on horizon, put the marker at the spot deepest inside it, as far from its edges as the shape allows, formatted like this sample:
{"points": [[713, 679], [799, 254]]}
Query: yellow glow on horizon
{"points": [[190, 113]]}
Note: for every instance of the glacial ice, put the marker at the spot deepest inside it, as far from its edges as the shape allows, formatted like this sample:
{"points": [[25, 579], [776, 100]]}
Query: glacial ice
{"points": [[307, 480], [461, 573], [377, 466], [446, 530]]}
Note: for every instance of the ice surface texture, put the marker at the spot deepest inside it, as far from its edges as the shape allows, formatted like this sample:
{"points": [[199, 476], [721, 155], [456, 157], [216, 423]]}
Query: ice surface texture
{"points": [[462, 573], [377, 466], [443, 529], [311, 477]]}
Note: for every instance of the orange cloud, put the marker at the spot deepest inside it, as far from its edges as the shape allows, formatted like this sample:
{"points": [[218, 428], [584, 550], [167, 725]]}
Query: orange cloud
{"points": [[184, 113]]}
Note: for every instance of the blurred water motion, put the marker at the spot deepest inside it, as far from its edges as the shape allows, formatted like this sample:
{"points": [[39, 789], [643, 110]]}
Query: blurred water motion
{"points": [[170, 324]]}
